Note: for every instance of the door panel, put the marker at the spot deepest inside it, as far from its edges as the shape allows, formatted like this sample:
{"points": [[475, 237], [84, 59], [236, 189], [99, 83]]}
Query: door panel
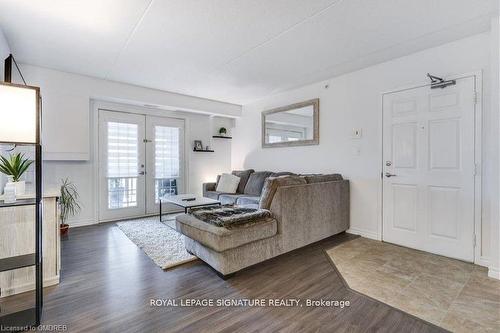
{"points": [[404, 142], [428, 181], [405, 207], [165, 160], [121, 162], [444, 144], [140, 159], [444, 207]]}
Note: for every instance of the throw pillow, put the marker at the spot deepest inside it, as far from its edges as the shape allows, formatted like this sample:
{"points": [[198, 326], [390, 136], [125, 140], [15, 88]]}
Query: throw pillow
{"points": [[256, 182], [244, 175], [271, 186], [228, 183]]}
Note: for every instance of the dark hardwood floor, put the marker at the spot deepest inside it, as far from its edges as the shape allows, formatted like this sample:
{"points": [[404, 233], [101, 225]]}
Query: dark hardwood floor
{"points": [[107, 283]]}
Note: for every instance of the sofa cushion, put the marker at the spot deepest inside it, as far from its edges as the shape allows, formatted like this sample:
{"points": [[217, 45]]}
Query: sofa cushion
{"points": [[310, 179], [228, 183], [248, 200], [212, 194], [272, 184], [222, 239], [228, 199], [256, 182], [244, 175]]}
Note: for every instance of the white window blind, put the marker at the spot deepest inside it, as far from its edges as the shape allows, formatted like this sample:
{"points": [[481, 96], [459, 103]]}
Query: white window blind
{"points": [[167, 155], [123, 152]]}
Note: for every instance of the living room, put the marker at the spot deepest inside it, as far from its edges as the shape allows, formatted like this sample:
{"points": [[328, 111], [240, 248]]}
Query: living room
{"points": [[189, 152]]}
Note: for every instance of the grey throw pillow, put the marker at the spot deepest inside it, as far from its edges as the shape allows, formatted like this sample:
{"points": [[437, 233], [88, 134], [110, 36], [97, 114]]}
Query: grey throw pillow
{"points": [[256, 182]]}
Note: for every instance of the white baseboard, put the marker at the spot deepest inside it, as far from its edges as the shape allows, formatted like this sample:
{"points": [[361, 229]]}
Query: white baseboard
{"points": [[81, 223], [494, 273], [364, 233], [482, 261], [21, 288]]}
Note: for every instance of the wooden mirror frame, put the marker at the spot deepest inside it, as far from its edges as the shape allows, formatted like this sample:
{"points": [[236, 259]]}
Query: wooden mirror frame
{"points": [[313, 141]]}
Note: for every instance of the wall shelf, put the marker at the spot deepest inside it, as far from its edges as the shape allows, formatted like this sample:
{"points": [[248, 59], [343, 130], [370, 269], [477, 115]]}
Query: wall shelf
{"points": [[203, 151], [11, 263], [222, 137], [30, 317], [19, 202]]}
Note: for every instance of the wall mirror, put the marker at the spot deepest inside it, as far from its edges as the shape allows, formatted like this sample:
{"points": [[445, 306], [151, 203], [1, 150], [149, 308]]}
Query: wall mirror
{"points": [[291, 125]]}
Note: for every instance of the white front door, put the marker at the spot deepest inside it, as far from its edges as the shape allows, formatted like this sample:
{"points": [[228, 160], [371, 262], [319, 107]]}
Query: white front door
{"points": [[121, 165], [429, 169], [140, 159]]}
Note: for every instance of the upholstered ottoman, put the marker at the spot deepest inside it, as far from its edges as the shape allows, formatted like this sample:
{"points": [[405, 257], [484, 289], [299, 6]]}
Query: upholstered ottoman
{"points": [[219, 246]]}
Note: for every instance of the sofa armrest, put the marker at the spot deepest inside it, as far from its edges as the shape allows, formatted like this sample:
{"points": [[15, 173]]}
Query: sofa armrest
{"points": [[310, 212], [208, 187]]}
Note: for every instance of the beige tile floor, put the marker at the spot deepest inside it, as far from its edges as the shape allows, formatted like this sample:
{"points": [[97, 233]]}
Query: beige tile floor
{"points": [[455, 295]]}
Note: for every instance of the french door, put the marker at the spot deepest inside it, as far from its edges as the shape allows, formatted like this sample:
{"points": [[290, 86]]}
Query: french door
{"points": [[141, 158], [429, 169]]}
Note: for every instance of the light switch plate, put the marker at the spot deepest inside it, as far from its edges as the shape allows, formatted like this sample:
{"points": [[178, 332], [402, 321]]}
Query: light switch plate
{"points": [[357, 133], [356, 151]]}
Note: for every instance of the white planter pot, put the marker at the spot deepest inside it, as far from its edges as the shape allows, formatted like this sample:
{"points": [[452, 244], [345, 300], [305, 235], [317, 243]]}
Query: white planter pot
{"points": [[20, 187]]}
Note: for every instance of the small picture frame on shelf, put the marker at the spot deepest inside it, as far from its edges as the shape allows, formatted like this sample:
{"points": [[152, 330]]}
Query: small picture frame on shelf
{"points": [[198, 145]]}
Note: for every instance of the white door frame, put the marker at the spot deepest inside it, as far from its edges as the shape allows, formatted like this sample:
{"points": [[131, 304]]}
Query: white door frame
{"points": [[478, 129], [96, 105]]}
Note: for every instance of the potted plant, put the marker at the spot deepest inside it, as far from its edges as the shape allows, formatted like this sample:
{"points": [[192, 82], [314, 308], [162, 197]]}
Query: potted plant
{"points": [[14, 167], [222, 131], [69, 203]]}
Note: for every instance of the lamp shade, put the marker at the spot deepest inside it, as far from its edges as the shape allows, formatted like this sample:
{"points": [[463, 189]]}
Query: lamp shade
{"points": [[18, 113]]}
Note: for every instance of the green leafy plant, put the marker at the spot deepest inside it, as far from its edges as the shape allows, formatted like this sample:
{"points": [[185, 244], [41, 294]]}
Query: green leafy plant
{"points": [[69, 200], [222, 131], [14, 166]]}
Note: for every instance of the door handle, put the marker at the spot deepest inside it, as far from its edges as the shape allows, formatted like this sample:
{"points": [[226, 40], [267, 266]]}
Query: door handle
{"points": [[142, 173], [389, 175]]}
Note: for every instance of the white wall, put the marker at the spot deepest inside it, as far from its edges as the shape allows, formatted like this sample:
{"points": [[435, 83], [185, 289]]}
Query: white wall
{"points": [[66, 99], [4, 52], [354, 101], [68, 129]]}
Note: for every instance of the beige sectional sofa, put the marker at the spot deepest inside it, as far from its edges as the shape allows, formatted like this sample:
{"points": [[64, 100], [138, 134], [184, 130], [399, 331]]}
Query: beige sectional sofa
{"points": [[308, 211]]}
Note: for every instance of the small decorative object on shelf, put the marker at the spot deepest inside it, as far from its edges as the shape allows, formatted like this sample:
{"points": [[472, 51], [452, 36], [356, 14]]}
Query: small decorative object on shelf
{"points": [[14, 167], [9, 192], [198, 145], [69, 203], [222, 134]]}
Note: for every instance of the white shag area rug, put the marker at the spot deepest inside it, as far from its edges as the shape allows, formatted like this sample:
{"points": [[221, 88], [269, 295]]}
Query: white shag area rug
{"points": [[163, 244]]}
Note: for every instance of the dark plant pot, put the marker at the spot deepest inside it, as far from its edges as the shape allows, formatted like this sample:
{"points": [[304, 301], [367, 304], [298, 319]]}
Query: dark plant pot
{"points": [[64, 229]]}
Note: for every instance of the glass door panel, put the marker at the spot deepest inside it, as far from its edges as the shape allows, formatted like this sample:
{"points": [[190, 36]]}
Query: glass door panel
{"points": [[165, 159], [121, 165]]}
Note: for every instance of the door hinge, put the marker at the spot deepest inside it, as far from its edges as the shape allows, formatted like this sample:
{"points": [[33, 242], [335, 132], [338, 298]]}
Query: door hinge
{"points": [[146, 140], [476, 169], [474, 240], [475, 97]]}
